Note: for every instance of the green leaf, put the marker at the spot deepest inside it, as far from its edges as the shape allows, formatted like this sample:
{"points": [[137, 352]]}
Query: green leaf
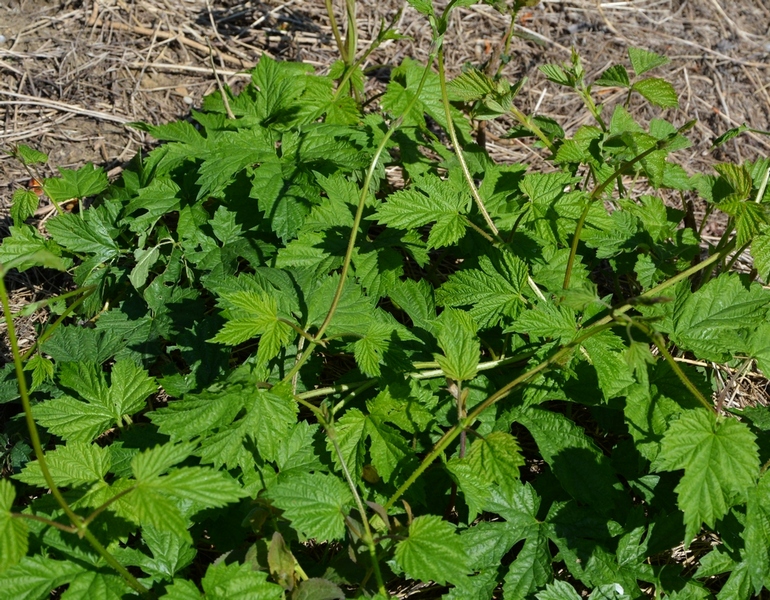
{"points": [[104, 406], [29, 156], [156, 498], [36, 577], [182, 589], [496, 457], [77, 463], [644, 60], [433, 551], [616, 75], [318, 589], [730, 134], [443, 205], [78, 235], [388, 447], [558, 590], [493, 292], [251, 314], [720, 461], [458, 339], [710, 322], [530, 570], [24, 205], [238, 582], [756, 534], [581, 468], [657, 91], [315, 503], [13, 531], [145, 260], [86, 181], [25, 248]]}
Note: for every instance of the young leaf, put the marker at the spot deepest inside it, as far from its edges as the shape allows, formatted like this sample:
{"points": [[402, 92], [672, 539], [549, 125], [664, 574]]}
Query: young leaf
{"points": [[433, 551], [457, 337], [496, 457], [657, 91], [493, 292], [720, 461], [24, 205], [13, 531], [228, 581], [443, 205], [616, 75], [315, 503], [29, 156], [251, 314], [710, 321], [644, 60], [86, 181], [77, 463], [104, 406]]}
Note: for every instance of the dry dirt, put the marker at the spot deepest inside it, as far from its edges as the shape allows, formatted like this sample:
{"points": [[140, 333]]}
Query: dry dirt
{"points": [[73, 73]]}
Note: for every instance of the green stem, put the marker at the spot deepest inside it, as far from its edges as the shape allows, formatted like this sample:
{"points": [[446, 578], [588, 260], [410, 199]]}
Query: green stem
{"points": [[132, 581], [455, 431], [336, 31], [530, 124], [90, 518], [368, 538], [49, 522], [599, 190], [74, 518], [48, 331], [459, 150], [359, 215]]}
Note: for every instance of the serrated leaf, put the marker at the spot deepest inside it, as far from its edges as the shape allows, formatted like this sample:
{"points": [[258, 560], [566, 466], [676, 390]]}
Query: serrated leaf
{"points": [[24, 205], [557, 75], [35, 577], [433, 551], [238, 582], [77, 463], [657, 91], [29, 156], [443, 205], [530, 570], [493, 292], [720, 461], [496, 457], [104, 405], [79, 235], [558, 590], [86, 181], [388, 447], [13, 531], [730, 134], [616, 75], [315, 503], [254, 314], [25, 248], [457, 337], [756, 534], [709, 322], [644, 60]]}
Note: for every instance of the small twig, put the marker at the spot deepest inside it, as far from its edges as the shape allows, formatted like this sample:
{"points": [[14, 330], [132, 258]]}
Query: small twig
{"points": [[222, 93]]}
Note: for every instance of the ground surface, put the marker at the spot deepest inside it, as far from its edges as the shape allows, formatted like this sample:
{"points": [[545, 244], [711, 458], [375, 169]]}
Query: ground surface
{"points": [[72, 74]]}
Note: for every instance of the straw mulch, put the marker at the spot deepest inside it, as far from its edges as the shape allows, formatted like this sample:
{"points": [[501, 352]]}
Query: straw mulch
{"points": [[72, 74]]}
